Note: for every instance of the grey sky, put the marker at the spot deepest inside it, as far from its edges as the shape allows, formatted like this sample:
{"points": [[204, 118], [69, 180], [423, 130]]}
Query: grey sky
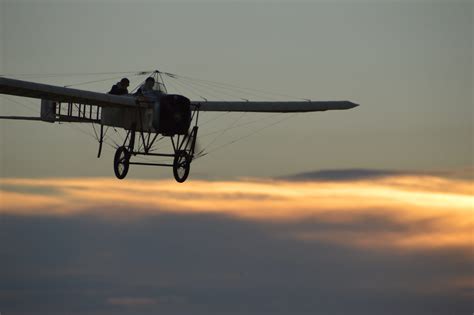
{"points": [[409, 65]]}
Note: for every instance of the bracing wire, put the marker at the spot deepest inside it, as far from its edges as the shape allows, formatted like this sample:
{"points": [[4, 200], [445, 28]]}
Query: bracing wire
{"points": [[214, 118], [245, 136], [21, 104], [190, 89], [41, 75], [174, 87], [226, 91], [219, 91], [142, 82], [194, 85], [262, 92], [243, 124], [93, 81], [221, 134]]}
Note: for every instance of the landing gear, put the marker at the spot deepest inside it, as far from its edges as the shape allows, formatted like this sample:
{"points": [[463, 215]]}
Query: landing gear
{"points": [[183, 148], [183, 152], [121, 162], [181, 166], [183, 155]]}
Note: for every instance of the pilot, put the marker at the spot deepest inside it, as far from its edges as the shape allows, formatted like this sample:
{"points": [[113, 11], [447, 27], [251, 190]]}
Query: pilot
{"points": [[121, 87], [148, 95], [147, 88]]}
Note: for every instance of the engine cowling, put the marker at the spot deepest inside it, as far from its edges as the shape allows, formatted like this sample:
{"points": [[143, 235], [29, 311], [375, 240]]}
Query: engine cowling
{"points": [[172, 115]]}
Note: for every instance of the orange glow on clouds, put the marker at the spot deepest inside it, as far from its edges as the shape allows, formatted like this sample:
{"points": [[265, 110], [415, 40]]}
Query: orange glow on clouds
{"points": [[436, 212]]}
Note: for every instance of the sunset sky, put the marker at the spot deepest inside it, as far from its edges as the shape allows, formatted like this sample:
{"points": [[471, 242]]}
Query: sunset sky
{"points": [[365, 211]]}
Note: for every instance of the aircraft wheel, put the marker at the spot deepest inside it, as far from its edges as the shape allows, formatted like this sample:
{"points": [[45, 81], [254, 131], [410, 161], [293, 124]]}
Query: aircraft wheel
{"points": [[121, 162], [181, 166]]}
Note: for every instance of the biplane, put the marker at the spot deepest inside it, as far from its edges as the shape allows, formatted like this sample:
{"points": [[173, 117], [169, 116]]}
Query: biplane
{"points": [[145, 118]]}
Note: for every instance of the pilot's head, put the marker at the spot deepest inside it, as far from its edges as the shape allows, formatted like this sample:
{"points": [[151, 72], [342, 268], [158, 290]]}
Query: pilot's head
{"points": [[124, 82], [149, 83]]}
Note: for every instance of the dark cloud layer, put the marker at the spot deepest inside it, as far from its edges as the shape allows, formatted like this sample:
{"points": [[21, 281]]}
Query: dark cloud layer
{"points": [[347, 174], [379, 244], [200, 264], [361, 174]]}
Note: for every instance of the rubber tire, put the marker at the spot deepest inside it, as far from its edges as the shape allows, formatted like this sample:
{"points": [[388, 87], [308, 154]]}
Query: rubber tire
{"points": [[177, 162], [121, 151]]}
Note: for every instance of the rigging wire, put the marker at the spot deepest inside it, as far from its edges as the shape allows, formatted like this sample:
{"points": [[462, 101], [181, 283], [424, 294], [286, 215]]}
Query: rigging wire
{"points": [[213, 118], [217, 90], [39, 75], [246, 136], [221, 134], [232, 92], [142, 82], [233, 86], [199, 90], [21, 104], [94, 81], [208, 85], [244, 124], [175, 88], [192, 90]]}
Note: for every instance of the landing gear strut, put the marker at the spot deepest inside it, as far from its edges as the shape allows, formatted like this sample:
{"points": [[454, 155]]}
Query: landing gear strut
{"points": [[183, 152]]}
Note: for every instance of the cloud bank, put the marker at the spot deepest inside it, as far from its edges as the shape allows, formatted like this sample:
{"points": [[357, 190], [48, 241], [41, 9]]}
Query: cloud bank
{"points": [[391, 244]]}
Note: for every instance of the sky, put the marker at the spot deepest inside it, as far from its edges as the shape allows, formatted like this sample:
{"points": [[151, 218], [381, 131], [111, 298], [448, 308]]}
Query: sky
{"points": [[368, 210], [408, 64]]}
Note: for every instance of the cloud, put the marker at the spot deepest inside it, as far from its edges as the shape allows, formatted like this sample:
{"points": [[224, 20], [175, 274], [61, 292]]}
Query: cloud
{"points": [[354, 174], [131, 301], [343, 175], [434, 211], [400, 243]]}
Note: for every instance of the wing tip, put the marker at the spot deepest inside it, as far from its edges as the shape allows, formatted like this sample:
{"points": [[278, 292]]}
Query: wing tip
{"points": [[352, 104]]}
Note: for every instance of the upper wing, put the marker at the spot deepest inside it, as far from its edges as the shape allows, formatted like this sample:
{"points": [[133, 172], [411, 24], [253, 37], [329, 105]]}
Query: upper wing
{"points": [[274, 107], [62, 94]]}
